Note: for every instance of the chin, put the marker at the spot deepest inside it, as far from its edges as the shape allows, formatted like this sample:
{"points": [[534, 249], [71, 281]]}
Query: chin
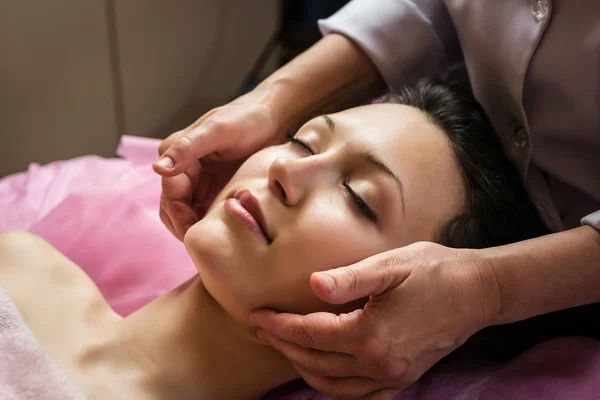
{"points": [[223, 265], [208, 243]]}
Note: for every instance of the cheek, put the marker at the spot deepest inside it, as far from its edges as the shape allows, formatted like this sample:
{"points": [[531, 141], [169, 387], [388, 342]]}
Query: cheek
{"points": [[335, 233], [329, 244], [321, 238], [256, 167]]}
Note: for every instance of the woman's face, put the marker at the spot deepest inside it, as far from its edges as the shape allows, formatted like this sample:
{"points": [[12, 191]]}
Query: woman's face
{"points": [[357, 183]]}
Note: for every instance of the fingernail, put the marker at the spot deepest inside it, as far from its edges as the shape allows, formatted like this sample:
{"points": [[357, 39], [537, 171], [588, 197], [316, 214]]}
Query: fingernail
{"points": [[165, 162], [328, 281]]}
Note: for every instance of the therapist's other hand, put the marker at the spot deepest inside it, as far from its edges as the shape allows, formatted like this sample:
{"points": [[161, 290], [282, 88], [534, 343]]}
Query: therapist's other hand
{"points": [[425, 301], [198, 161]]}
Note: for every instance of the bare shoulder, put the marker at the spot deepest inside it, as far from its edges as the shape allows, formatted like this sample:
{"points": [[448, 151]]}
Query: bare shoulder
{"points": [[22, 251], [32, 269], [14, 242], [8, 238], [57, 300]]}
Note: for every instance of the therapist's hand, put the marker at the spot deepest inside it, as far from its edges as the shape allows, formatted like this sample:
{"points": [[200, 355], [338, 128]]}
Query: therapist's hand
{"points": [[198, 161], [426, 300]]}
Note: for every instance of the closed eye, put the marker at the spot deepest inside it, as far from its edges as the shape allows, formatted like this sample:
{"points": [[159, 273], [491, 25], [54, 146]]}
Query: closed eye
{"points": [[358, 201], [301, 143], [362, 205]]}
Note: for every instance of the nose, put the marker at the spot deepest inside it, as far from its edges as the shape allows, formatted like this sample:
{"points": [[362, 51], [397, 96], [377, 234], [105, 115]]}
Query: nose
{"points": [[291, 179]]}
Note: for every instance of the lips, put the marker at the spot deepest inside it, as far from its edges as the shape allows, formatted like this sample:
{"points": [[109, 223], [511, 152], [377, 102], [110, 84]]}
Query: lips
{"points": [[246, 208]]}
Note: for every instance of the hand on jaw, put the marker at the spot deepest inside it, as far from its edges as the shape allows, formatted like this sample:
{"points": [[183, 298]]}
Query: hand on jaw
{"points": [[425, 300]]}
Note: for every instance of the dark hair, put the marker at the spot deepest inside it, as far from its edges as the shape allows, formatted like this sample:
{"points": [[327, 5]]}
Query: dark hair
{"points": [[497, 210]]}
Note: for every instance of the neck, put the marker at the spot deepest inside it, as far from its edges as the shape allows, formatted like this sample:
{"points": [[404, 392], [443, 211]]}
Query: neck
{"points": [[184, 345]]}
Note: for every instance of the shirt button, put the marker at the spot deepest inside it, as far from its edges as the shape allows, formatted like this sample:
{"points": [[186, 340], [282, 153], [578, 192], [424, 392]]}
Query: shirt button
{"points": [[540, 9], [520, 134]]}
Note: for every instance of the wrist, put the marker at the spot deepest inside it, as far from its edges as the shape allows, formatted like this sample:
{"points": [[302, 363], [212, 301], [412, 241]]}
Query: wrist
{"points": [[544, 274], [489, 285], [320, 81]]}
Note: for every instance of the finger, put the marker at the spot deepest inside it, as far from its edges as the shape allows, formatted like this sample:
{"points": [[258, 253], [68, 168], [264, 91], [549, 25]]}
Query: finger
{"points": [[164, 217], [321, 331], [166, 143], [181, 187], [172, 138], [369, 277], [182, 217], [318, 362], [177, 200], [351, 387], [178, 216], [189, 148]]}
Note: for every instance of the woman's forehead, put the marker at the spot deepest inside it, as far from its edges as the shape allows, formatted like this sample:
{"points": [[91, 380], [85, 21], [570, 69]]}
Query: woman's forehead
{"points": [[383, 113], [390, 128]]}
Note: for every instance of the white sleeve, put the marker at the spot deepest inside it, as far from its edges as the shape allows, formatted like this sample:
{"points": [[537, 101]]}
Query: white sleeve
{"points": [[593, 219], [405, 39]]}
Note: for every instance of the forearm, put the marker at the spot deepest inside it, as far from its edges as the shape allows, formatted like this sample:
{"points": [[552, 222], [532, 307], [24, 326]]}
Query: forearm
{"points": [[332, 75], [545, 274]]}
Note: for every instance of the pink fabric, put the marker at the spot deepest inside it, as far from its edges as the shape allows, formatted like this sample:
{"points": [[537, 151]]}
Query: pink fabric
{"points": [[26, 371], [103, 214], [564, 368]]}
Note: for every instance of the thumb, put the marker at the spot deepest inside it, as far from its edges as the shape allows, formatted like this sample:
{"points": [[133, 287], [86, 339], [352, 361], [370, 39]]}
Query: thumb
{"points": [[370, 277], [188, 149]]}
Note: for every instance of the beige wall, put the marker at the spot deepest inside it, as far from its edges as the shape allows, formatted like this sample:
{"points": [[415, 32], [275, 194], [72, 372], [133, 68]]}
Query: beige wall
{"points": [[76, 74]]}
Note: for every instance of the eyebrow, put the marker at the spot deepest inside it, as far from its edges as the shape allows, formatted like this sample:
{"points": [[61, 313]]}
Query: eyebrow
{"points": [[329, 122], [374, 161]]}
